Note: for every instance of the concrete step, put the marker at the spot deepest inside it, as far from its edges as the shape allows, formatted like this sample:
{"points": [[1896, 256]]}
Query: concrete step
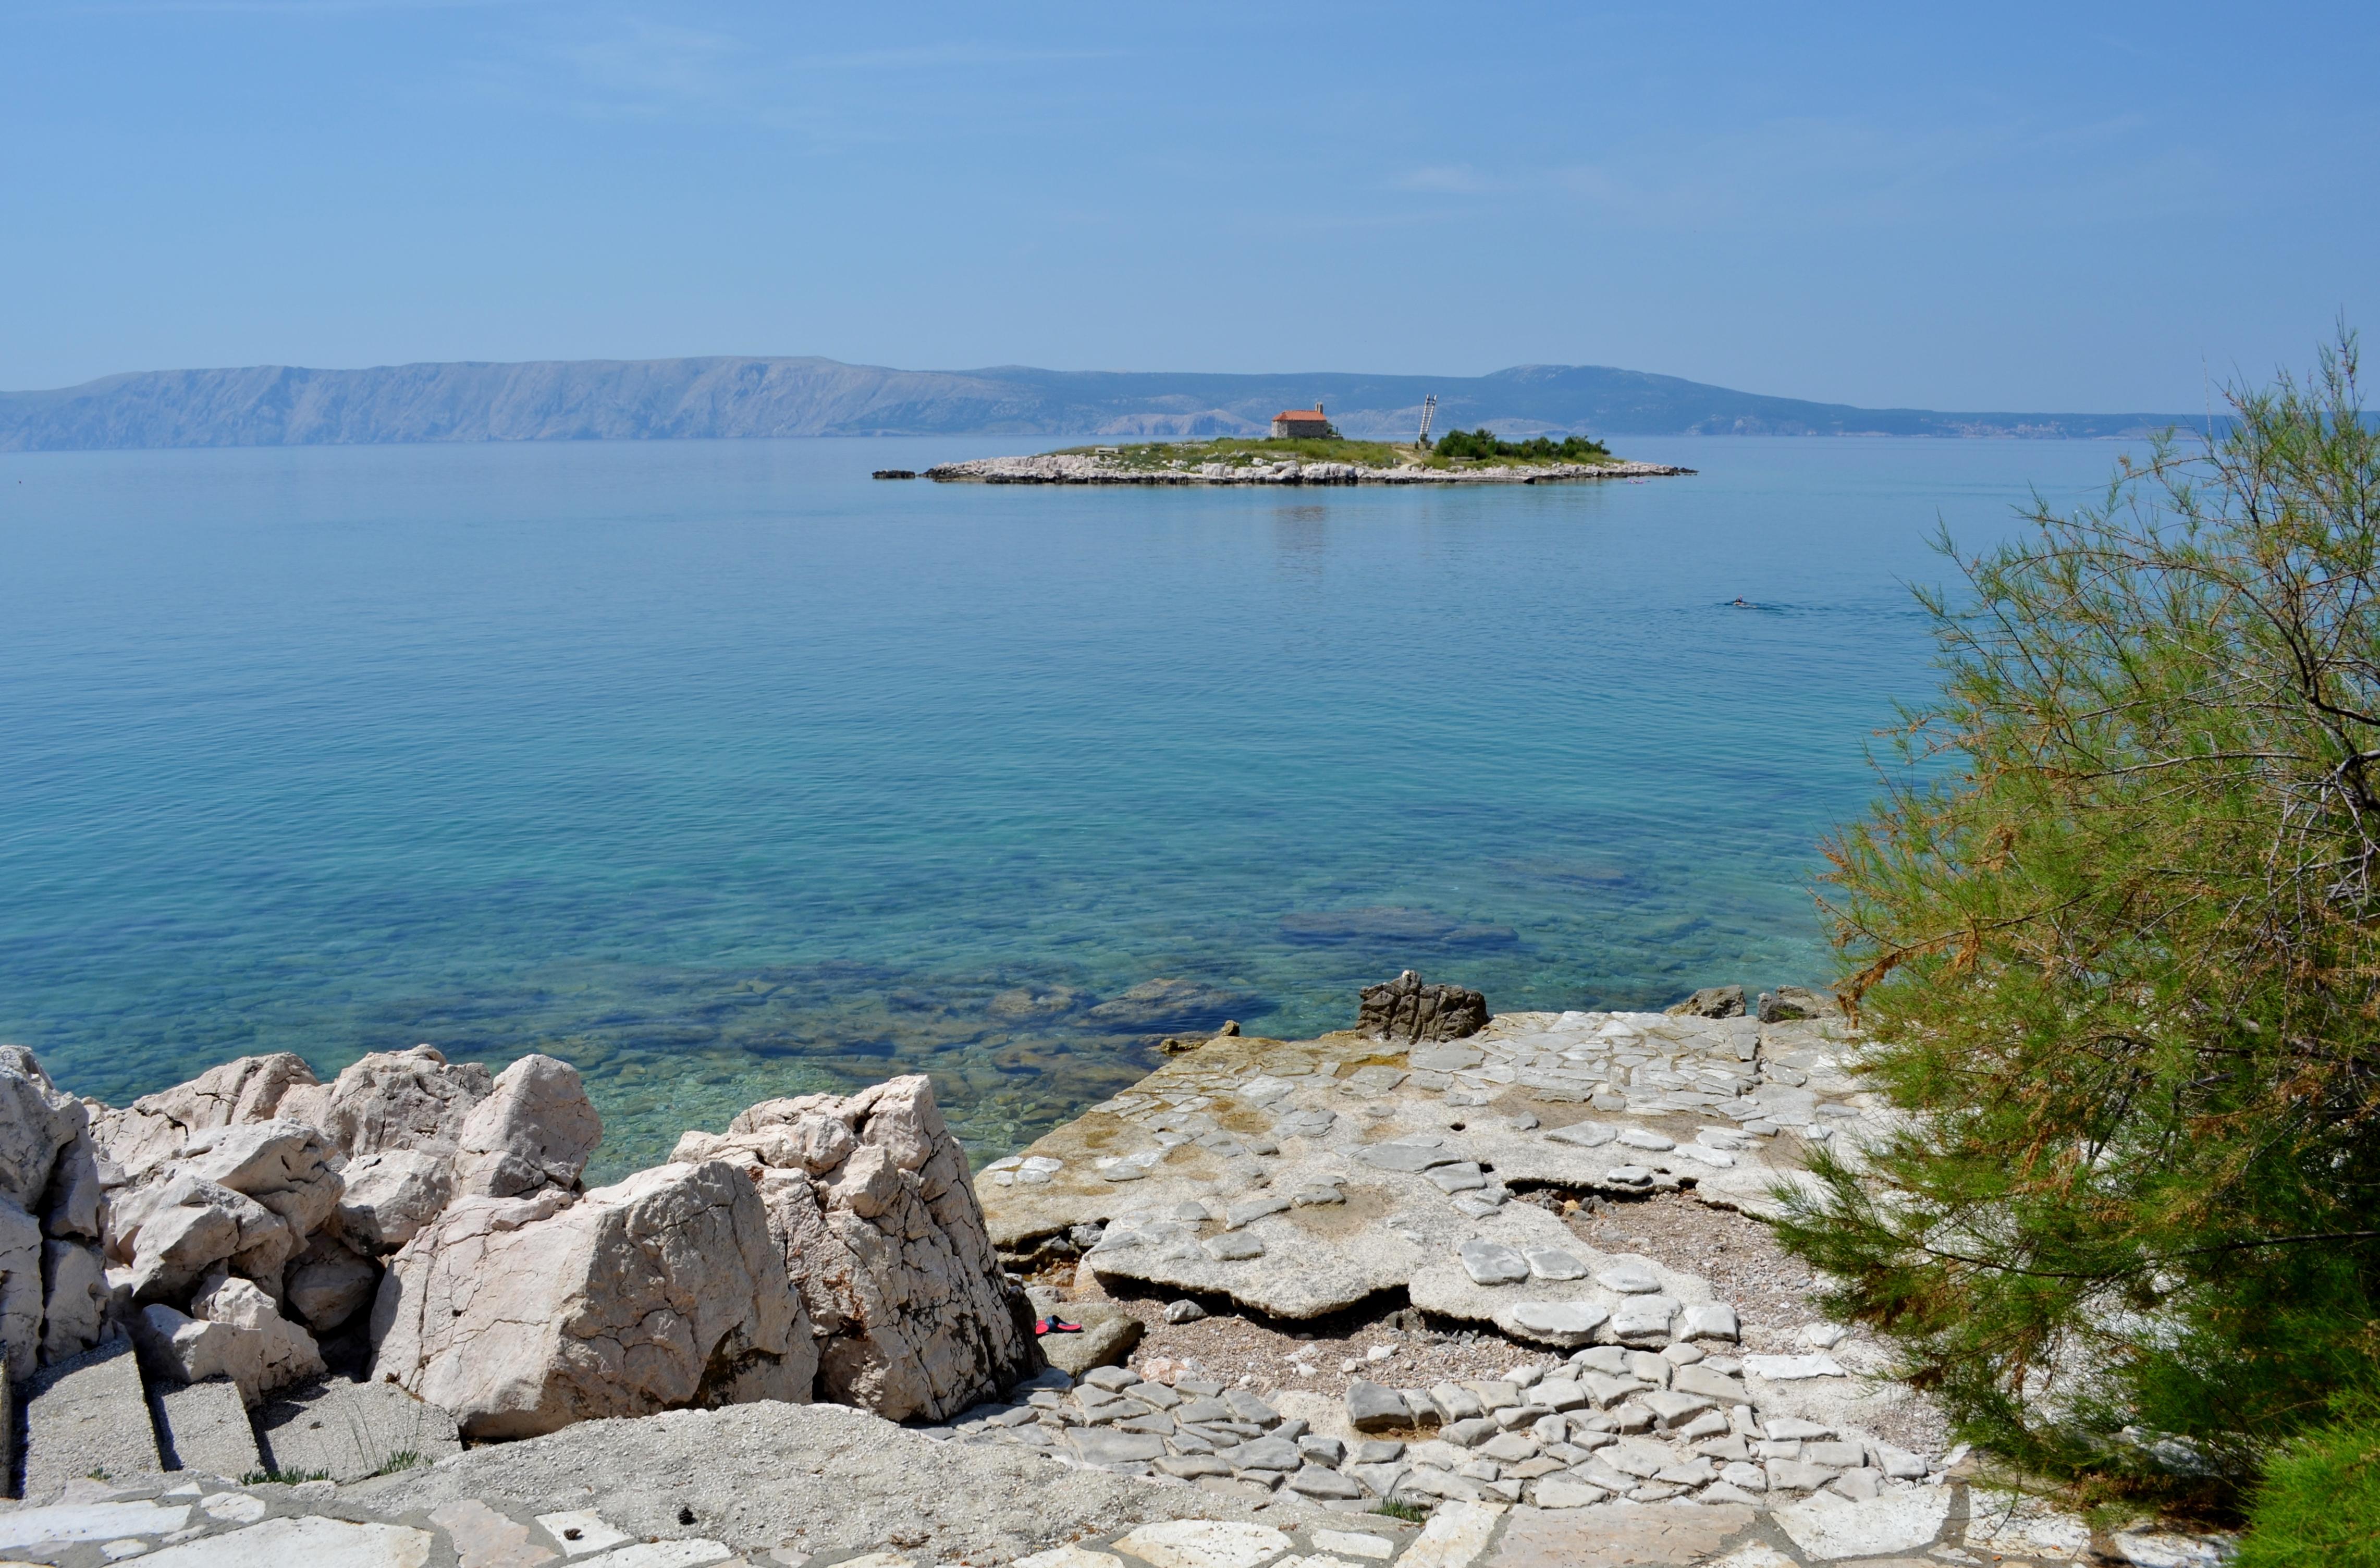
{"points": [[204, 1426], [350, 1431], [85, 1417]]}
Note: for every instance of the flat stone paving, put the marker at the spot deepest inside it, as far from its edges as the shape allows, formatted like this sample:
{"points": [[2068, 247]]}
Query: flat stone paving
{"points": [[207, 1524]]}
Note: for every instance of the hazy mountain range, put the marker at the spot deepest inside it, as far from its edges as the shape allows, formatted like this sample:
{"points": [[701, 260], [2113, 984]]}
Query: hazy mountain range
{"points": [[700, 398]]}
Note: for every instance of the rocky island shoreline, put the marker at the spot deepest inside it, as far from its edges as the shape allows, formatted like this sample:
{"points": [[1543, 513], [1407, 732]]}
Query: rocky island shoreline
{"points": [[259, 1317], [1071, 468]]}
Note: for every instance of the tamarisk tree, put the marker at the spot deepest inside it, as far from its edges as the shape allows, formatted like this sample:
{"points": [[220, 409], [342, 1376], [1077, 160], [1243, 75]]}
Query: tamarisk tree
{"points": [[2113, 930]]}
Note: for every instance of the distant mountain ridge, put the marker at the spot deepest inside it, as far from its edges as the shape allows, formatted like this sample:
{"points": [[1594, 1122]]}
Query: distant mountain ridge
{"points": [[729, 397]]}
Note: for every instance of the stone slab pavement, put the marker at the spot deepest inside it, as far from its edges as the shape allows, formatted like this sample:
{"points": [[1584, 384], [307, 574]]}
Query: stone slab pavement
{"points": [[1106, 1522]]}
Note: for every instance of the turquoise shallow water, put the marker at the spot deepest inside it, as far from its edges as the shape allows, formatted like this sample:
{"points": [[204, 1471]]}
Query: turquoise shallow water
{"points": [[724, 771]]}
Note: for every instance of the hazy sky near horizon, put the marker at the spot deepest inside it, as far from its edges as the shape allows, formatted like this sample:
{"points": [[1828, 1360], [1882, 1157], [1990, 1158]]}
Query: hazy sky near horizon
{"points": [[2093, 207]]}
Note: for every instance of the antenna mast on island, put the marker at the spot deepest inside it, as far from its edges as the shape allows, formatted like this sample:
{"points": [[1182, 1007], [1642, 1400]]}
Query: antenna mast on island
{"points": [[1428, 412]]}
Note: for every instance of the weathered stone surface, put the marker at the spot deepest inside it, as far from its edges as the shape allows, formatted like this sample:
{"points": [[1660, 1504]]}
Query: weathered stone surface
{"points": [[1373, 1408], [1458, 1532], [313, 1540], [1827, 1528], [1406, 1009], [485, 1539], [1491, 1262], [174, 1231], [878, 1228], [155, 1128], [328, 1284], [76, 1297], [1203, 1543], [1565, 1323], [1789, 1002], [391, 1100], [284, 1165], [351, 1430], [523, 1315], [22, 1291], [37, 1122], [1108, 1334], [67, 1522], [389, 1195], [1616, 1536], [1711, 1002], [86, 1416], [204, 1426], [536, 1128], [232, 1330]]}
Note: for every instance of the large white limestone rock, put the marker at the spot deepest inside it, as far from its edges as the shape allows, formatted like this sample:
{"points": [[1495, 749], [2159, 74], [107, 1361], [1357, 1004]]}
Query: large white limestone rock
{"points": [[537, 1128], [391, 1100], [233, 1330], [876, 1222], [74, 1299], [522, 1314], [38, 1125], [155, 1128], [389, 1195], [327, 1284], [173, 1231], [20, 1288], [284, 1165]]}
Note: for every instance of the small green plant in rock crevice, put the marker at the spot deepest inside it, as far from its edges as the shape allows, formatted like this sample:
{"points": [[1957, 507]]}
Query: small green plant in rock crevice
{"points": [[1412, 1514], [283, 1478]]}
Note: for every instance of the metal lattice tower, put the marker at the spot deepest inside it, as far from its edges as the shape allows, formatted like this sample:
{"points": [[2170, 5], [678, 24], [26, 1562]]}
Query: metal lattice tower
{"points": [[1428, 412]]}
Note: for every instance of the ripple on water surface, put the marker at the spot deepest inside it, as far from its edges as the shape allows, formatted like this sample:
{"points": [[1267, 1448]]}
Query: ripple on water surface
{"points": [[724, 771]]}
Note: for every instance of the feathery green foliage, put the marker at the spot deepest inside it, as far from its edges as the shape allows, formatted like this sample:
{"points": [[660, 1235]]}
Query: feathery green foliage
{"points": [[2115, 934], [2318, 1505]]}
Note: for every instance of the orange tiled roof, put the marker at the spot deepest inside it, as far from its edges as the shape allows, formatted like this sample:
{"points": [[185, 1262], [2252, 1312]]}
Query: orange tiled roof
{"points": [[1301, 414]]}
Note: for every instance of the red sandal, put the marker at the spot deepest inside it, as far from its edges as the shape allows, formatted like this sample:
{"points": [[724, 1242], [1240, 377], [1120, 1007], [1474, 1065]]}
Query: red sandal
{"points": [[1054, 1326]]}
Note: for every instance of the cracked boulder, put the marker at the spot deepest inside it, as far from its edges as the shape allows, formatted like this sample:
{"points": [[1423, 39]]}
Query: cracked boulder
{"points": [[156, 1129], [523, 1315], [233, 1330], [878, 1226], [394, 1100], [536, 1128]]}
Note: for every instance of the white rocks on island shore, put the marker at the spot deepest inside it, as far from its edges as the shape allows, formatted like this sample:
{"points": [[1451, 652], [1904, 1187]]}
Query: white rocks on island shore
{"points": [[1073, 468]]}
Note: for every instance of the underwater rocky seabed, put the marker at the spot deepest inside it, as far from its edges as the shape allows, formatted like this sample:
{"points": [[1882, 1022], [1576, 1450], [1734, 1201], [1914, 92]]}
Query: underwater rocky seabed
{"points": [[722, 771]]}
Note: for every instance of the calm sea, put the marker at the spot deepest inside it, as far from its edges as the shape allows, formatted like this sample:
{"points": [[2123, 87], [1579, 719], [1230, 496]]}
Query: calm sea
{"points": [[724, 772]]}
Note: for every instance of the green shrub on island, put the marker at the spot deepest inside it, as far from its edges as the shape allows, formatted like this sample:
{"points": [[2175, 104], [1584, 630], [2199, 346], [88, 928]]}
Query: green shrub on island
{"points": [[1480, 445], [1483, 443], [2113, 930]]}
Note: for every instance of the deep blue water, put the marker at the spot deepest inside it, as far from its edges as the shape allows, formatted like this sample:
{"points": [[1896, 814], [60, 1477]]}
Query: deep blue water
{"points": [[724, 771]]}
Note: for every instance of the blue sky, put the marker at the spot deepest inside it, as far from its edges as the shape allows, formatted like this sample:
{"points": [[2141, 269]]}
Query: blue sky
{"points": [[2093, 207]]}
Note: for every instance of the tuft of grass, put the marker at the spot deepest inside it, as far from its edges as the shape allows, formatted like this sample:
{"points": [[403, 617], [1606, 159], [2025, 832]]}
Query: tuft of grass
{"points": [[2318, 1503], [1412, 1514], [402, 1459], [281, 1477]]}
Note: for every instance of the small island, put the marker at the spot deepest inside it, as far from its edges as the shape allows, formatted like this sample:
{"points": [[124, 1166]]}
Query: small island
{"points": [[1306, 449]]}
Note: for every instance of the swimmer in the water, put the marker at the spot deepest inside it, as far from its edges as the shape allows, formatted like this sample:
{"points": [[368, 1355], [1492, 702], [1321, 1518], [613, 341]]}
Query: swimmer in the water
{"points": [[1740, 605]]}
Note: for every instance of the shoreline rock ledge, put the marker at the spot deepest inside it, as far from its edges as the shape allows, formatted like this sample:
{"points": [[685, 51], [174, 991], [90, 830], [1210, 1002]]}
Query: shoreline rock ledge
{"points": [[381, 1322]]}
